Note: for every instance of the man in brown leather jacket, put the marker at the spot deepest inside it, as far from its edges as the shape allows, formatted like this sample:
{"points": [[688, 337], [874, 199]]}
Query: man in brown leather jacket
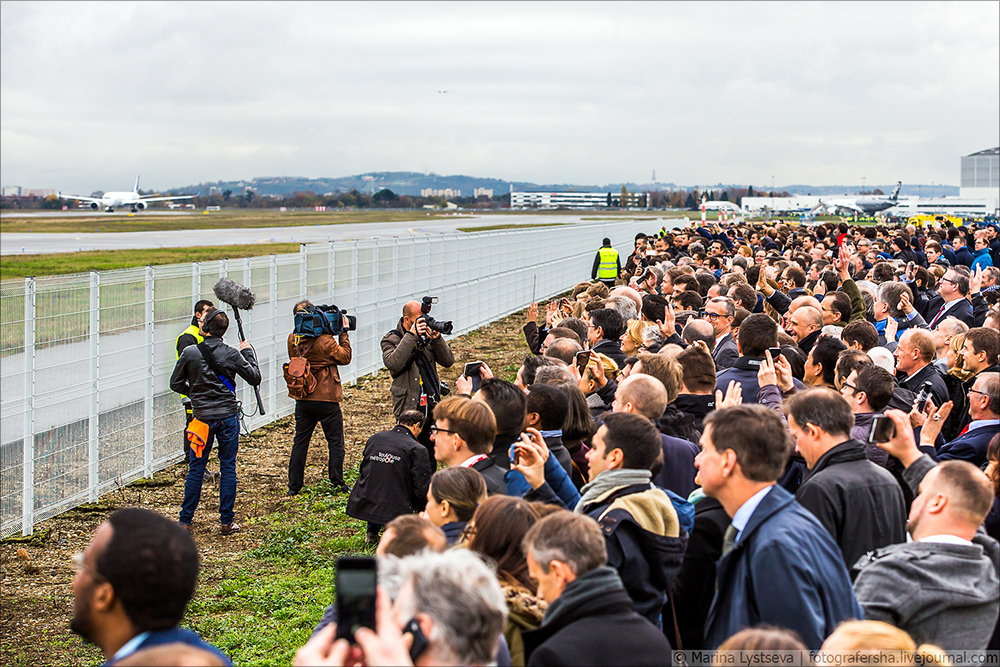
{"points": [[411, 389], [324, 353]]}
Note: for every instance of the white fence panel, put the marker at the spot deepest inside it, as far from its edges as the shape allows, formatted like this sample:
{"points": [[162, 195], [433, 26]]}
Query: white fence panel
{"points": [[86, 359]]}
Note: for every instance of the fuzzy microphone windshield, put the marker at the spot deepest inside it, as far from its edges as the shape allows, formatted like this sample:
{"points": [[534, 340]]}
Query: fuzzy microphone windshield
{"points": [[234, 294]]}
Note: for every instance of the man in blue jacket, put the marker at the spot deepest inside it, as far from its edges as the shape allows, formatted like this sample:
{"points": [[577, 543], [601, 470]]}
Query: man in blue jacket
{"points": [[779, 565], [133, 583]]}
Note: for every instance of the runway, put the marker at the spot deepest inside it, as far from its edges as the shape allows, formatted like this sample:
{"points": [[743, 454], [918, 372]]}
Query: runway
{"points": [[44, 243]]}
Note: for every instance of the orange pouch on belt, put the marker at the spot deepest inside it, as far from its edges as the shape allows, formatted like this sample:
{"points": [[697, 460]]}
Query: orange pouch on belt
{"points": [[197, 435]]}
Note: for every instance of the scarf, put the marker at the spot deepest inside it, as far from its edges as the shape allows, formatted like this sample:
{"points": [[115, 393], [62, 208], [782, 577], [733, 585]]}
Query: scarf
{"points": [[609, 480], [596, 583]]}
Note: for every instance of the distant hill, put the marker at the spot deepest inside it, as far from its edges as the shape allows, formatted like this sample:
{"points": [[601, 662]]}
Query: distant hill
{"points": [[411, 183]]}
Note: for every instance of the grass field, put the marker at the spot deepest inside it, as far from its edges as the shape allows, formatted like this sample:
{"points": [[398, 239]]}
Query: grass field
{"points": [[250, 219], [62, 263]]}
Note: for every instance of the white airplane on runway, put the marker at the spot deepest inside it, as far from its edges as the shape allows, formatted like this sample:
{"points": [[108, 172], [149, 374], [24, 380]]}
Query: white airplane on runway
{"points": [[112, 200]]}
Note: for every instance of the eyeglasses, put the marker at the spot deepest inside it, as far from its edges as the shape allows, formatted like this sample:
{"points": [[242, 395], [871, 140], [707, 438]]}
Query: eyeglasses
{"points": [[976, 391], [948, 280], [851, 386], [435, 429], [710, 316], [80, 566]]}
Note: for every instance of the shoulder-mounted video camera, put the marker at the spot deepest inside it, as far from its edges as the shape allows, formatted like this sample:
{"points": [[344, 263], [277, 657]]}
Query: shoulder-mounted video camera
{"points": [[313, 321]]}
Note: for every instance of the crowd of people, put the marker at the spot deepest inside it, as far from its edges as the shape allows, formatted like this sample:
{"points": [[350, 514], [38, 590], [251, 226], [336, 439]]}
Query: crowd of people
{"points": [[747, 437]]}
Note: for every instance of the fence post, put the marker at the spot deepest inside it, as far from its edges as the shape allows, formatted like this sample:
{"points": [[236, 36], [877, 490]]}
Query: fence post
{"points": [[195, 281], [93, 455], [331, 269], [150, 374], [28, 451], [248, 395], [303, 272], [272, 363]]}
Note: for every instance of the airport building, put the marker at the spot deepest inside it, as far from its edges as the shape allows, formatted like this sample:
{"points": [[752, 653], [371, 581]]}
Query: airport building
{"points": [[796, 204], [981, 177], [586, 200], [447, 193]]}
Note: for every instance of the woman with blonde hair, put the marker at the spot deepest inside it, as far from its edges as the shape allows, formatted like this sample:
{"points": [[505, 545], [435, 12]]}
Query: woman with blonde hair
{"points": [[879, 643], [631, 340], [955, 359]]}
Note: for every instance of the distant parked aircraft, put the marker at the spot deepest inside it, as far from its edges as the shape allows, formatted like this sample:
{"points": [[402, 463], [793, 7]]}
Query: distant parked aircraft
{"points": [[864, 205], [112, 200]]}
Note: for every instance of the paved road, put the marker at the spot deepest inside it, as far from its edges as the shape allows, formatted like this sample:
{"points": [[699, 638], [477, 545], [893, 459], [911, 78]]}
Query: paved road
{"points": [[32, 243]]}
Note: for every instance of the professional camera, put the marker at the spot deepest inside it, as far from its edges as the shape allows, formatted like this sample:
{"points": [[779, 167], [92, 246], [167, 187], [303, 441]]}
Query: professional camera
{"points": [[425, 308], [313, 321]]}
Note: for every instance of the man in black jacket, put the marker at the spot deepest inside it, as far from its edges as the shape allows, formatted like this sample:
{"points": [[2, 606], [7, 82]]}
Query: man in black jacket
{"points": [[858, 502], [606, 327], [589, 614], [463, 434], [206, 373], [395, 472]]}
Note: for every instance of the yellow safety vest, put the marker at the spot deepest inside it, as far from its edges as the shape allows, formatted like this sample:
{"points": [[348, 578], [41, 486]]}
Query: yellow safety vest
{"points": [[194, 331], [608, 268]]}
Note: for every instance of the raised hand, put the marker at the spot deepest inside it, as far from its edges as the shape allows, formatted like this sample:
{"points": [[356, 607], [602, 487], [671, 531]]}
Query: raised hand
{"points": [[733, 397]]}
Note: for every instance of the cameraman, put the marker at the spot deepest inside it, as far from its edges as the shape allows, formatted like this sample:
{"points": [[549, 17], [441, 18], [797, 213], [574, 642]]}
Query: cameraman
{"points": [[410, 352], [322, 405]]}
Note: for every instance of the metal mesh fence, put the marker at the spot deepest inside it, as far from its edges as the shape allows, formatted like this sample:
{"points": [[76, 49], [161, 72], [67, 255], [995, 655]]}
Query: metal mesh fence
{"points": [[86, 358]]}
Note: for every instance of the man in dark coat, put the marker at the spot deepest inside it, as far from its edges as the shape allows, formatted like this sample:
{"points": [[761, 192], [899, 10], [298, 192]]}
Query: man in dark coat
{"points": [[606, 327], [643, 536], [984, 415], [858, 502], [779, 566], [757, 333], [914, 354], [589, 614], [720, 312], [394, 473], [463, 434]]}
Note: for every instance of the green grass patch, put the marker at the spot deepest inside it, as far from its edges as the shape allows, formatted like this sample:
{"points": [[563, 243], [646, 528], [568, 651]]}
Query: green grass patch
{"points": [[62, 263], [269, 602], [490, 228], [150, 222]]}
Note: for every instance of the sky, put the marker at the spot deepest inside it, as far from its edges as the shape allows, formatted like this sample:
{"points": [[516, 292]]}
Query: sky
{"points": [[831, 93]]}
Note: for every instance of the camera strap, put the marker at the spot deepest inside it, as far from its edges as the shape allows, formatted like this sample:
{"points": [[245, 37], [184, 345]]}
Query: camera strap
{"points": [[207, 356]]}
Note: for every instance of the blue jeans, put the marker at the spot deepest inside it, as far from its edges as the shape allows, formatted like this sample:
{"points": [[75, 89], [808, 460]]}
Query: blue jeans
{"points": [[226, 432]]}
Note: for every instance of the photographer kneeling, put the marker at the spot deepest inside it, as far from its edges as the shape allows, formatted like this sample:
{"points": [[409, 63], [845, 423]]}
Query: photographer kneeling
{"points": [[411, 352], [321, 403]]}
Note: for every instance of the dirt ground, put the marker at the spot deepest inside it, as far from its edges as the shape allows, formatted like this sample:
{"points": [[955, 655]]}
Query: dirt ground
{"points": [[37, 597]]}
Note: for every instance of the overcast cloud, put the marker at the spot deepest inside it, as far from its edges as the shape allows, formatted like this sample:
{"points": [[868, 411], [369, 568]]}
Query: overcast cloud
{"points": [[825, 93]]}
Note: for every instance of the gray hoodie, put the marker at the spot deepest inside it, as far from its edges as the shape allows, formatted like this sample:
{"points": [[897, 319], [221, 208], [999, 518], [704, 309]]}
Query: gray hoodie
{"points": [[942, 594]]}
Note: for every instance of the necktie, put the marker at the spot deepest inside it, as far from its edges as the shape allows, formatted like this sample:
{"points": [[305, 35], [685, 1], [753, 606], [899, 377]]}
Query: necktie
{"points": [[964, 430], [729, 539], [938, 316]]}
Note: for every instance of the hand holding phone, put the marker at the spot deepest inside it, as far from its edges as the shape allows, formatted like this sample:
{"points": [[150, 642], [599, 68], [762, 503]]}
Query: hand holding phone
{"points": [[356, 582], [582, 359], [473, 370]]}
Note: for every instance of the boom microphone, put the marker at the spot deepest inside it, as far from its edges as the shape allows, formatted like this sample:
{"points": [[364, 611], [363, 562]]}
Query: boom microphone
{"points": [[240, 298], [234, 294]]}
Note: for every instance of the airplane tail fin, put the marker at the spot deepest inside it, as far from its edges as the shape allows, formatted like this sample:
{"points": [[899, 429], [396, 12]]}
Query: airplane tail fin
{"points": [[895, 191], [135, 190]]}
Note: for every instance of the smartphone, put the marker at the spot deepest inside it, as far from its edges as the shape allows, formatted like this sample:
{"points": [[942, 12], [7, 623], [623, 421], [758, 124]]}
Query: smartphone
{"points": [[419, 644], [582, 359], [515, 454], [356, 579], [472, 371], [775, 351], [882, 430]]}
